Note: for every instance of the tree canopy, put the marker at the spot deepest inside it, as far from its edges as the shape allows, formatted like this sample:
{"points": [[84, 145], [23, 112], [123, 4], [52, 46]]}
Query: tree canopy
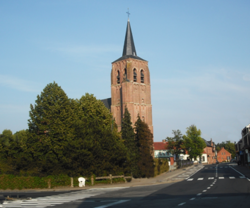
{"points": [[144, 140], [175, 143], [193, 142]]}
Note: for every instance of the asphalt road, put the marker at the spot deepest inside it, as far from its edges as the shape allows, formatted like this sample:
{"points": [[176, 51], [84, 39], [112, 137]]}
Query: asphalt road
{"points": [[213, 186]]}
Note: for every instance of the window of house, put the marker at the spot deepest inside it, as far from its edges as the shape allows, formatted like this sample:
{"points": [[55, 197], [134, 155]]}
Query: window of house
{"points": [[142, 76], [118, 77], [135, 75]]}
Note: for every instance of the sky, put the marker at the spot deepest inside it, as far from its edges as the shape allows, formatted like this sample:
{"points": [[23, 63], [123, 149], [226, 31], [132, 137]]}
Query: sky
{"points": [[198, 54]]}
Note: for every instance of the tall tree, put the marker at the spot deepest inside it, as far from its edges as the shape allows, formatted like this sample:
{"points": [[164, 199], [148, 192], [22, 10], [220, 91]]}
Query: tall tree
{"points": [[144, 139], [175, 143], [128, 136], [97, 148], [51, 129], [193, 142]]}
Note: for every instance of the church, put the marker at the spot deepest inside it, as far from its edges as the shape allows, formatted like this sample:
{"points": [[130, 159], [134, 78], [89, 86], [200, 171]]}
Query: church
{"points": [[130, 85]]}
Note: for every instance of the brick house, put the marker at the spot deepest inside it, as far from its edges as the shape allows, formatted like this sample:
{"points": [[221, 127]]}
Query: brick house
{"points": [[160, 151], [223, 155], [209, 150]]}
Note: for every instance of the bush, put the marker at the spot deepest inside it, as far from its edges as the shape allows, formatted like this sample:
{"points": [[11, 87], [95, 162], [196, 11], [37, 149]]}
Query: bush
{"points": [[161, 166]]}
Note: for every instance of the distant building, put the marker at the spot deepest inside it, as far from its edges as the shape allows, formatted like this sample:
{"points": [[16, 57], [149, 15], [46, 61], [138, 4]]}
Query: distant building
{"points": [[242, 147], [160, 151], [224, 155]]}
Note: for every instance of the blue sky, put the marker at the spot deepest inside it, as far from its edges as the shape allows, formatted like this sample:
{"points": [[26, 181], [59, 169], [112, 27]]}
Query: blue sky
{"points": [[198, 53]]}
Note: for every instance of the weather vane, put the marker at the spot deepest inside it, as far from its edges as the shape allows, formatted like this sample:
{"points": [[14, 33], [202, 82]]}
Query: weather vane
{"points": [[128, 13]]}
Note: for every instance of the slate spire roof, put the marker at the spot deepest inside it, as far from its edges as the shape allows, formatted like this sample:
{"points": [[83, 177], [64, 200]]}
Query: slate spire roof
{"points": [[129, 46], [129, 50]]}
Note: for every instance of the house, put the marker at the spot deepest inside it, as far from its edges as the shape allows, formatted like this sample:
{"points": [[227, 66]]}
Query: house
{"points": [[208, 155], [242, 147], [223, 155], [160, 151]]}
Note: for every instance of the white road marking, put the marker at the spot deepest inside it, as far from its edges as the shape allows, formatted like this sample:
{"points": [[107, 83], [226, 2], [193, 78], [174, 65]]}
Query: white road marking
{"points": [[192, 199], [181, 204], [242, 177], [237, 172], [211, 185], [232, 177], [199, 194], [210, 178], [114, 203], [204, 190], [200, 179], [208, 187], [190, 179], [221, 177]]}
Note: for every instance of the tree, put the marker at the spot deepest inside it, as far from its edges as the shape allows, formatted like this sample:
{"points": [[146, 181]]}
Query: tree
{"points": [[128, 136], [193, 142], [144, 140], [50, 129], [175, 144], [97, 147]]}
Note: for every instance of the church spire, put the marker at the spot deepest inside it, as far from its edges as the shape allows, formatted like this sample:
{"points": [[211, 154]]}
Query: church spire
{"points": [[129, 46]]}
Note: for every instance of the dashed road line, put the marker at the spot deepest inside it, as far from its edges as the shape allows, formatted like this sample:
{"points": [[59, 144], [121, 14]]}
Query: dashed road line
{"points": [[232, 177], [210, 178], [221, 177], [204, 190], [114, 203], [190, 179], [200, 179], [192, 199], [181, 204], [199, 194]]}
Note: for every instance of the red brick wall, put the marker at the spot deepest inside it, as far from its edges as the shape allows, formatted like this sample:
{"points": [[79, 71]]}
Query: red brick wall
{"points": [[135, 95], [223, 155]]}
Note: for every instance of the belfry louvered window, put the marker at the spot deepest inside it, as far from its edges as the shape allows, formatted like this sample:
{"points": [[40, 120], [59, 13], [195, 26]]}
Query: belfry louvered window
{"points": [[118, 77], [135, 75], [142, 77]]}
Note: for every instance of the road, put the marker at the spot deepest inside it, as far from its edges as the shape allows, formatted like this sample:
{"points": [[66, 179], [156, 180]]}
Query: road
{"points": [[214, 186]]}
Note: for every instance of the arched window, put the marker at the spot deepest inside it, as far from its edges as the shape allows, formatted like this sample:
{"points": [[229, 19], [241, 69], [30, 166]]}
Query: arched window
{"points": [[142, 77], [118, 77], [135, 75], [125, 74]]}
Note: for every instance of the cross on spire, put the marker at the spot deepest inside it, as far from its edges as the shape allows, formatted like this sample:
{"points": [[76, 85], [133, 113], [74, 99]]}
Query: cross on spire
{"points": [[128, 13]]}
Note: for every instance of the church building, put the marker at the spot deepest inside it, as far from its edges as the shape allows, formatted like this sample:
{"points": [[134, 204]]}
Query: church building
{"points": [[130, 85]]}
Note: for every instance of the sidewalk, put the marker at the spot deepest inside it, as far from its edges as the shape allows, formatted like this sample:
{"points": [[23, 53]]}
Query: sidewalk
{"points": [[160, 179]]}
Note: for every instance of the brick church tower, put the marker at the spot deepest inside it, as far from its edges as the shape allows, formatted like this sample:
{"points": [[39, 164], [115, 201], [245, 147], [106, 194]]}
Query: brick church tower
{"points": [[130, 85]]}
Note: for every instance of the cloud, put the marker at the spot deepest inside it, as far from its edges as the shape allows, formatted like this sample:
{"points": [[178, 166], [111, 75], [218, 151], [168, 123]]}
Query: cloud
{"points": [[17, 83], [246, 77]]}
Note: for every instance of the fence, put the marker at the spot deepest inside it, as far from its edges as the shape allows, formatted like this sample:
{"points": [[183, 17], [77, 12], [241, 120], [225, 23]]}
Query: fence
{"points": [[110, 177], [183, 163]]}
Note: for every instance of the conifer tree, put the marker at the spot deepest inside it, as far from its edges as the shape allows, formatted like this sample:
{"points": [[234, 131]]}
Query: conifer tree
{"points": [[50, 129], [144, 139], [128, 137]]}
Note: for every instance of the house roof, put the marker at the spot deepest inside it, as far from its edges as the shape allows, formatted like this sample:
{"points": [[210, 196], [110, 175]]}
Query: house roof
{"points": [[224, 150], [107, 103], [129, 50], [160, 145]]}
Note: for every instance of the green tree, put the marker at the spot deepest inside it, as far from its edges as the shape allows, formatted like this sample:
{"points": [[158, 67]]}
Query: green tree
{"points": [[6, 137], [144, 140], [51, 129], [128, 136], [193, 142], [175, 143], [97, 148]]}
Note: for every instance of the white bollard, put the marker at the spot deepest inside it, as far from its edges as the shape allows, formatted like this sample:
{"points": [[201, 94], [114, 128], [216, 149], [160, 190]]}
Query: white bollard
{"points": [[81, 181]]}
